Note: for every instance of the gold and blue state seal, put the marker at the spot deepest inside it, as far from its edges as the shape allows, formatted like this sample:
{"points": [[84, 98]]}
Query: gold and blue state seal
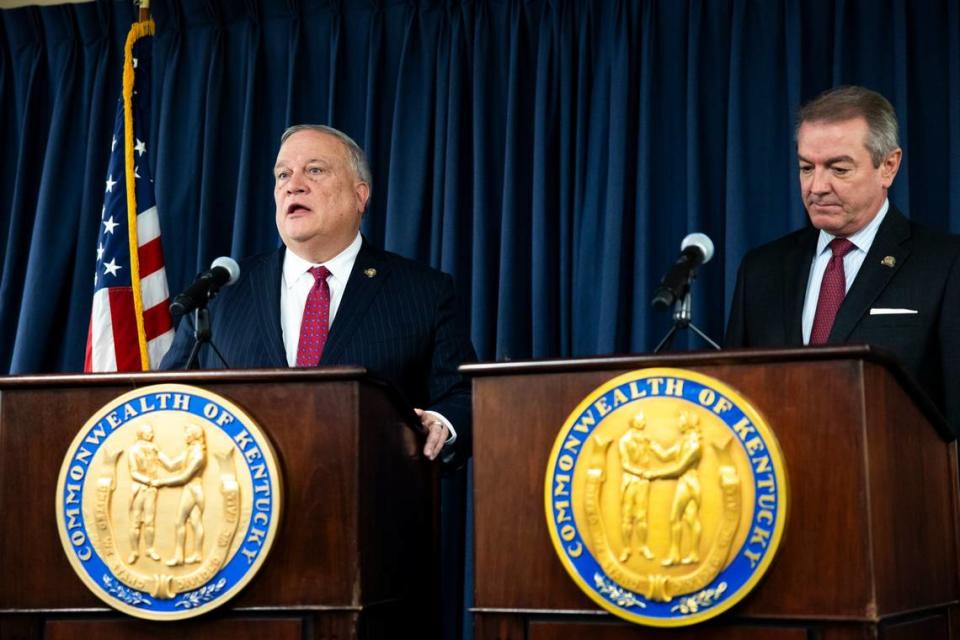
{"points": [[665, 496], [168, 501]]}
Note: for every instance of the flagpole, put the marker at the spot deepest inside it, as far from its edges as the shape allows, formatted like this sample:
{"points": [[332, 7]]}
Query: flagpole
{"points": [[145, 27], [130, 324]]}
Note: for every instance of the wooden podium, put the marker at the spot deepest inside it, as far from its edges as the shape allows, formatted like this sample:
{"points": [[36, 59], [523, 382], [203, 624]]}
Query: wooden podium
{"points": [[870, 548], [353, 556]]}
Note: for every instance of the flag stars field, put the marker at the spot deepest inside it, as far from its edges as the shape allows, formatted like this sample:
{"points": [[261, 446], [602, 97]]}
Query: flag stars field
{"points": [[111, 267]]}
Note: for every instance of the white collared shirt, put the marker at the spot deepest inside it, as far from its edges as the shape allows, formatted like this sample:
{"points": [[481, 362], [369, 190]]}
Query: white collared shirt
{"points": [[862, 240], [295, 287]]}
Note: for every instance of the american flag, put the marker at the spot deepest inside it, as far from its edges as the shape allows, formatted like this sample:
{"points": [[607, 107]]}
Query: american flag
{"points": [[130, 325]]}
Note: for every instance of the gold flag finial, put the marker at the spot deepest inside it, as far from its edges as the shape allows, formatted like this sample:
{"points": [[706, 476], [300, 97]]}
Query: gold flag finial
{"points": [[144, 6]]}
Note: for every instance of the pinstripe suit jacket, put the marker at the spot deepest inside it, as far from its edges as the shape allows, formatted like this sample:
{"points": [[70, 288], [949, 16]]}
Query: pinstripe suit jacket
{"points": [[402, 324], [924, 275]]}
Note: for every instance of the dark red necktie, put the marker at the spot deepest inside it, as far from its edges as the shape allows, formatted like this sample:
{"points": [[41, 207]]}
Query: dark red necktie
{"points": [[833, 288], [316, 320]]}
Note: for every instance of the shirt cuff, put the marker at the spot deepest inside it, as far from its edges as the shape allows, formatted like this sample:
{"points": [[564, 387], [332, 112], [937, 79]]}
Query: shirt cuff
{"points": [[453, 432]]}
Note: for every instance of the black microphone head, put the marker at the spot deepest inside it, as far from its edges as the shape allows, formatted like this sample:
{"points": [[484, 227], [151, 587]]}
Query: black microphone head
{"points": [[223, 271], [700, 241], [695, 250], [228, 263]]}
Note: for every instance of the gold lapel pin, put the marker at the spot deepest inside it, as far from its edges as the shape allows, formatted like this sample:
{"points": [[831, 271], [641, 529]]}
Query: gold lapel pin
{"points": [[371, 272], [889, 261]]}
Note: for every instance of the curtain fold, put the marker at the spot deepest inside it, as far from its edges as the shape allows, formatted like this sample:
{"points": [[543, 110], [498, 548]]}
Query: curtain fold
{"points": [[950, 215], [549, 154]]}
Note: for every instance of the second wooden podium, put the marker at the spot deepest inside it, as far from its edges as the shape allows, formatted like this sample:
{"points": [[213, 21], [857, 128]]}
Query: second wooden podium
{"points": [[870, 548]]}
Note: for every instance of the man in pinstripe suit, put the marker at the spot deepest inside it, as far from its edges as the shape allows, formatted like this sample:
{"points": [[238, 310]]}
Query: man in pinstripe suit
{"points": [[395, 317]]}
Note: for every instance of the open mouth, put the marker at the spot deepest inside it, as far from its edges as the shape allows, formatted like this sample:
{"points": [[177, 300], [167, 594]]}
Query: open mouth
{"points": [[296, 208]]}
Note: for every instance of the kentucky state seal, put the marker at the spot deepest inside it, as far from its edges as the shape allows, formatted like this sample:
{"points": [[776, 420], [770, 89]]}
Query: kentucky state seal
{"points": [[168, 501], [666, 497]]}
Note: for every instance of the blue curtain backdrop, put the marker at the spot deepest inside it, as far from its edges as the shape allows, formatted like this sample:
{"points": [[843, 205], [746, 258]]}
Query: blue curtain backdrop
{"points": [[549, 154]]}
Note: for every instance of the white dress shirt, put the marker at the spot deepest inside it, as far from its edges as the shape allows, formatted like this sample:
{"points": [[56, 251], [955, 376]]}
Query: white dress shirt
{"points": [[295, 287], [851, 265]]}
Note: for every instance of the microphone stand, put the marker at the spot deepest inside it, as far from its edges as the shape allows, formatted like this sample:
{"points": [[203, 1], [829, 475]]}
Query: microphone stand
{"points": [[202, 335], [683, 319]]}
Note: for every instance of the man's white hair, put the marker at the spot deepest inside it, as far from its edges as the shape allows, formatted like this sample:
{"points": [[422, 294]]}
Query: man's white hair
{"points": [[358, 159]]}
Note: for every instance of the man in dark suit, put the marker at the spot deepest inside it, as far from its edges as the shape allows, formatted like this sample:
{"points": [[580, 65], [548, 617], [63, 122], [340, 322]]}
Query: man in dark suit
{"points": [[862, 273], [328, 297]]}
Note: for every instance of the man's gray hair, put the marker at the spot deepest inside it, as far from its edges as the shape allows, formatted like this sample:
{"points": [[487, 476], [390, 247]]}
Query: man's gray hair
{"points": [[357, 157], [848, 102]]}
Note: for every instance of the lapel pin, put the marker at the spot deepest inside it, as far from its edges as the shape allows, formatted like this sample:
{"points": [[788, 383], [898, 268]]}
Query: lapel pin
{"points": [[889, 261], [371, 272]]}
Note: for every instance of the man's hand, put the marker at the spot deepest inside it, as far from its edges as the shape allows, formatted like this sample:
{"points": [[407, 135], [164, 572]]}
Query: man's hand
{"points": [[437, 433]]}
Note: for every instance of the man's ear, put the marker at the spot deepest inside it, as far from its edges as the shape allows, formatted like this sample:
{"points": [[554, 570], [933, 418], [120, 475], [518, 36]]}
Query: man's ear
{"points": [[890, 166], [362, 192]]}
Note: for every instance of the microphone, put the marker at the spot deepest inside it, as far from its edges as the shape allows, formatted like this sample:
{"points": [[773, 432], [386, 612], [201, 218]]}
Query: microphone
{"points": [[224, 271], [695, 250]]}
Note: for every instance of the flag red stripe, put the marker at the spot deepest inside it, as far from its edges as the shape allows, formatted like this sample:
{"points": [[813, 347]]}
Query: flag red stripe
{"points": [[156, 321], [88, 352], [126, 344], [151, 257]]}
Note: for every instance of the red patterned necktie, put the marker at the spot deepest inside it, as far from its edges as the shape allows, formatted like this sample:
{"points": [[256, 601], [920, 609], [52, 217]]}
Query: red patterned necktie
{"points": [[316, 320], [833, 288]]}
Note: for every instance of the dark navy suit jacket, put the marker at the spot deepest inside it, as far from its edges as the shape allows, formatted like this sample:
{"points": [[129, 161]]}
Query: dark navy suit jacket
{"points": [[772, 283], [398, 318]]}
